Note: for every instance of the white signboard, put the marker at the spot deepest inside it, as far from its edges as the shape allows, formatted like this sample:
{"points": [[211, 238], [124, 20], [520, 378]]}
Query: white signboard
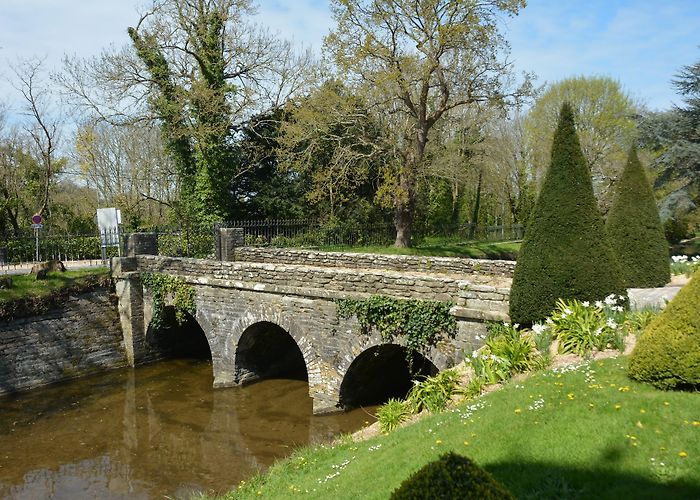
{"points": [[108, 220]]}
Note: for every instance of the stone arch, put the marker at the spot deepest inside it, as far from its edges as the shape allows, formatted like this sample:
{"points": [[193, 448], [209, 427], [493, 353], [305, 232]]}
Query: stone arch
{"points": [[189, 339], [379, 373], [269, 325]]}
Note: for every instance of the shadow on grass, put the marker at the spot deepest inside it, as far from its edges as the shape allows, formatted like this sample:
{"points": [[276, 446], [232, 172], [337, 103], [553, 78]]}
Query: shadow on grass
{"points": [[538, 480]]}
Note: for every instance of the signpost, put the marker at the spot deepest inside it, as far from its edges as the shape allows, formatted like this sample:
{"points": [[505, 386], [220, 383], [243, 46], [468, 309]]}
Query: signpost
{"points": [[108, 221], [37, 223]]}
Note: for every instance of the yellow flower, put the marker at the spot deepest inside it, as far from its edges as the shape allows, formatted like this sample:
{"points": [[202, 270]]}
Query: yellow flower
{"points": [[570, 395], [666, 403], [438, 441], [642, 410], [466, 443], [617, 407], [682, 454], [695, 423], [518, 411]]}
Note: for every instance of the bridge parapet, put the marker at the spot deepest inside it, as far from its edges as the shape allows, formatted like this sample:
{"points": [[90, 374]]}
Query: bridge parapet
{"points": [[350, 260]]}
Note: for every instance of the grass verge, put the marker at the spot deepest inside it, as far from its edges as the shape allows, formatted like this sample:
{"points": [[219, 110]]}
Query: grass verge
{"points": [[579, 432], [29, 296]]}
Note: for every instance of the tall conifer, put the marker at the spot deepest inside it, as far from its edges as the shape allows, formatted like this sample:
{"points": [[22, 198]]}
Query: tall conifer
{"points": [[635, 231], [565, 253]]}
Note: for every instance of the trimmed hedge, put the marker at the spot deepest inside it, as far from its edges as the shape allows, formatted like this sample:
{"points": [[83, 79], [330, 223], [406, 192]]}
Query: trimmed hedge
{"points": [[451, 476], [635, 230], [565, 253], [667, 354]]}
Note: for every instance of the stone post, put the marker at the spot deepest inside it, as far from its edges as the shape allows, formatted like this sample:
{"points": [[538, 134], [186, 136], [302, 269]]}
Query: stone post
{"points": [[229, 239], [130, 306], [142, 244]]}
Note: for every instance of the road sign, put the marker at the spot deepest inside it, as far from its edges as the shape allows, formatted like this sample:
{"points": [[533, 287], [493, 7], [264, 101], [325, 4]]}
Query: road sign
{"points": [[37, 226], [37, 219]]}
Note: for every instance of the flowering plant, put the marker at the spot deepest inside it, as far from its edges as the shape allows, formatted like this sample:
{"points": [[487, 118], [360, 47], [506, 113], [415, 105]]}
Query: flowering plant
{"points": [[681, 264], [582, 327]]}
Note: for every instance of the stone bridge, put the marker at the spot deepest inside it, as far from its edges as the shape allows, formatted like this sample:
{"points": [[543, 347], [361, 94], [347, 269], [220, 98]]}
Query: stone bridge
{"points": [[271, 312]]}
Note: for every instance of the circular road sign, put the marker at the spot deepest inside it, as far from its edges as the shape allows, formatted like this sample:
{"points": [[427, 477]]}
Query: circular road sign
{"points": [[36, 219]]}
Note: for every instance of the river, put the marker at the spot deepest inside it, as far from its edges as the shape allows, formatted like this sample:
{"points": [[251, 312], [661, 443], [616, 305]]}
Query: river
{"points": [[159, 430]]}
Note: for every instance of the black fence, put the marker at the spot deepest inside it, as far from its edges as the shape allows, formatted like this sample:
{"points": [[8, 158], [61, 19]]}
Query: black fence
{"points": [[182, 242]]}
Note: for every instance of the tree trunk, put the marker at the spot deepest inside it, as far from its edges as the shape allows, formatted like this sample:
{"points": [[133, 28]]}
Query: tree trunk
{"points": [[405, 198], [477, 203]]}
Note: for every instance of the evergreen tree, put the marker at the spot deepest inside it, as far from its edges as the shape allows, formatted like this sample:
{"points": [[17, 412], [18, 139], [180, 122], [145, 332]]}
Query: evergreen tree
{"points": [[565, 253], [635, 231]]}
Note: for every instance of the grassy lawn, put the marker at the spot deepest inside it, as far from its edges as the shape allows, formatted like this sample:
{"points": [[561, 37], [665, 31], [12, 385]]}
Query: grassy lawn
{"points": [[583, 432], [25, 285], [439, 247], [29, 297]]}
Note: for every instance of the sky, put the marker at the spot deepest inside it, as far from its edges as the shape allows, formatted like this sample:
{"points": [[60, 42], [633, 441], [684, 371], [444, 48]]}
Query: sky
{"points": [[640, 43]]}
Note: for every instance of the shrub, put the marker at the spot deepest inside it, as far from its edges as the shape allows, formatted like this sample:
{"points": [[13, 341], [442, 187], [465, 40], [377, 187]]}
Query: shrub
{"points": [[451, 476], [667, 354], [392, 414], [516, 349], [565, 253], [433, 393], [636, 235], [676, 229], [582, 327]]}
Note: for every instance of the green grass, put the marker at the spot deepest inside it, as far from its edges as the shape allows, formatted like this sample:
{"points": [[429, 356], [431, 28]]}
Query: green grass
{"points": [[439, 247], [587, 432], [29, 297], [25, 285]]}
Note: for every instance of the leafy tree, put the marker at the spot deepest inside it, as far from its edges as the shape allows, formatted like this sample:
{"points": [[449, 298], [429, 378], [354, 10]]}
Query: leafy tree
{"points": [[674, 136], [330, 138], [202, 69], [416, 62], [565, 253], [604, 121], [636, 235]]}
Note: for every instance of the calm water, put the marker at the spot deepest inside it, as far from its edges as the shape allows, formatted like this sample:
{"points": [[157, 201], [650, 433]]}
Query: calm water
{"points": [[159, 430]]}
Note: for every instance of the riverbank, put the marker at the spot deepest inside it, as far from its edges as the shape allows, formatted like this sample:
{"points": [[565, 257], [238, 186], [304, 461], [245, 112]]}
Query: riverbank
{"points": [[579, 431]]}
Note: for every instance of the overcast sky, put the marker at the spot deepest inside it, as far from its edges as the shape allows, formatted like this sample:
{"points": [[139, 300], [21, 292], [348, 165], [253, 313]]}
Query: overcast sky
{"points": [[640, 43]]}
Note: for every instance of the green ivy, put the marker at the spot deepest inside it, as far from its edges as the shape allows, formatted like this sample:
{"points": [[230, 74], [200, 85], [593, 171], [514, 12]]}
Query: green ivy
{"points": [[422, 322], [162, 285]]}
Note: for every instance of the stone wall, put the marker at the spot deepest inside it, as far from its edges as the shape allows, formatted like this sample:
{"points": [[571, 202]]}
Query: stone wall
{"points": [[83, 337], [445, 265], [473, 291]]}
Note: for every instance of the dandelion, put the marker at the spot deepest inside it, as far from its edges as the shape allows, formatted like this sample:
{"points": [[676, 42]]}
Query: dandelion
{"points": [[571, 396], [682, 454], [438, 441], [617, 407], [518, 411], [466, 443]]}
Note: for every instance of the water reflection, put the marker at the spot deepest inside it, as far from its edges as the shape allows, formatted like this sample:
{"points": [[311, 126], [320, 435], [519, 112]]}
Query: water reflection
{"points": [[158, 430]]}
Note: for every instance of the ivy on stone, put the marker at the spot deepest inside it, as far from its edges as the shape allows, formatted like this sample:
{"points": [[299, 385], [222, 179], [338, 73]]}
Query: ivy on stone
{"points": [[422, 322], [164, 285]]}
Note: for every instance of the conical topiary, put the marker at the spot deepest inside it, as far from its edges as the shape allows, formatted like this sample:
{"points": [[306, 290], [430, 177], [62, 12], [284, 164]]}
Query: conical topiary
{"points": [[635, 231], [565, 253], [667, 354]]}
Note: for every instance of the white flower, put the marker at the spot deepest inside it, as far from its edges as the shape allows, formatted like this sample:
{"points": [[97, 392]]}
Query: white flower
{"points": [[538, 328], [610, 300], [585, 303], [617, 308], [475, 355], [611, 323], [599, 330], [505, 323], [516, 326], [549, 321], [568, 311], [599, 304], [679, 258]]}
